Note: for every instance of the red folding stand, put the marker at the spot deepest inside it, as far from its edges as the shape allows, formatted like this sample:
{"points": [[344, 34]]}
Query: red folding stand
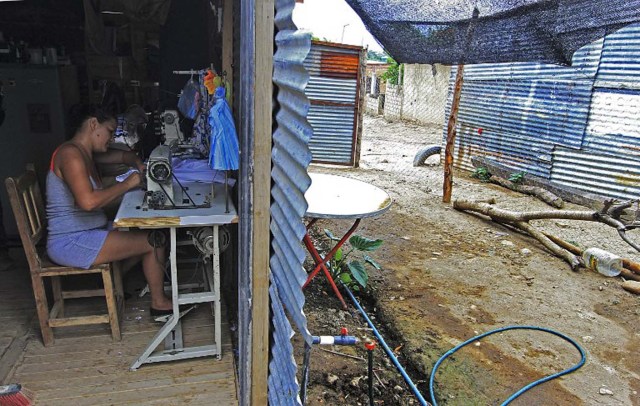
{"points": [[320, 262]]}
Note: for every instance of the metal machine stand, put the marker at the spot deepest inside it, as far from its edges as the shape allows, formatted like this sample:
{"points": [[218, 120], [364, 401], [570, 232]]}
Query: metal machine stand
{"points": [[171, 332]]}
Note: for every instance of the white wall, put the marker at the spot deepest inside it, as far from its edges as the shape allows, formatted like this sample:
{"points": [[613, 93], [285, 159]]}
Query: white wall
{"points": [[393, 102], [372, 105], [425, 89]]}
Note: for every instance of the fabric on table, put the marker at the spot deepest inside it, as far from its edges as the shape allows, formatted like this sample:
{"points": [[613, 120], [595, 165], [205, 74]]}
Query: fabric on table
{"points": [[197, 170], [124, 176]]}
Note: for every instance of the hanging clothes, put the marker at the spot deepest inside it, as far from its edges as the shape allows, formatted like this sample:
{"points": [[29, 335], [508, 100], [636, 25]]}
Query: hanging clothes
{"points": [[189, 101], [224, 153], [201, 134]]}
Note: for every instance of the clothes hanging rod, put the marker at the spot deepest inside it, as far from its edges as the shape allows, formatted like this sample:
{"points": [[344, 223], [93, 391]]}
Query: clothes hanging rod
{"points": [[189, 72], [198, 72]]}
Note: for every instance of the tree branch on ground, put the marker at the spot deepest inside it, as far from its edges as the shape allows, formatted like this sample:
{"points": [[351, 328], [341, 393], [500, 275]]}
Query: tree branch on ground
{"points": [[542, 194], [613, 214]]}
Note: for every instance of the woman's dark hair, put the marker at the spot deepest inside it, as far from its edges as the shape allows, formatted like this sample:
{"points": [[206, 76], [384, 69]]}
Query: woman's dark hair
{"points": [[80, 113]]}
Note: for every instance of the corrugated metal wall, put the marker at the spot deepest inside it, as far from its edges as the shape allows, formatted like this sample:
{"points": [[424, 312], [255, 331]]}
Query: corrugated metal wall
{"points": [[333, 90], [609, 161], [291, 157], [577, 125]]}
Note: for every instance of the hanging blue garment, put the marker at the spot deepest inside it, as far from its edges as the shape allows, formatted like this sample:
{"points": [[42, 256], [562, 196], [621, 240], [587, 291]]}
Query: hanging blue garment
{"points": [[201, 134], [189, 101], [224, 153]]}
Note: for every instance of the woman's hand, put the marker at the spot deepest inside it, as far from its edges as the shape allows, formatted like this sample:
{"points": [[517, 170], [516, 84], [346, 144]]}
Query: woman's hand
{"points": [[132, 159], [140, 166], [72, 166], [133, 181]]}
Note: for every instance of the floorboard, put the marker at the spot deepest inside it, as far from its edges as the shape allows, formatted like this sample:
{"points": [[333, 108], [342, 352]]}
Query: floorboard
{"points": [[86, 367]]}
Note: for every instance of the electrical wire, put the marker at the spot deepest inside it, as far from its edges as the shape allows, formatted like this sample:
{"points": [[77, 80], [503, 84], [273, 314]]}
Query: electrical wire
{"points": [[165, 266], [196, 269], [525, 388]]}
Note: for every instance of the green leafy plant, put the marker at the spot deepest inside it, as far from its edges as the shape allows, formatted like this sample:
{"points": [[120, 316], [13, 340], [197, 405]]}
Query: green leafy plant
{"points": [[353, 273], [315, 38], [393, 72], [481, 173], [517, 177], [377, 56]]}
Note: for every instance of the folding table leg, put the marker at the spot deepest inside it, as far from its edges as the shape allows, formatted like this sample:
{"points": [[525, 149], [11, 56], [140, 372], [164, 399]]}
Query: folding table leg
{"points": [[320, 262], [327, 274]]}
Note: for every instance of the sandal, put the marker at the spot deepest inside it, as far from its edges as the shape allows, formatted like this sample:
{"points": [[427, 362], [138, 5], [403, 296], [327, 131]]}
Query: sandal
{"points": [[162, 316]]}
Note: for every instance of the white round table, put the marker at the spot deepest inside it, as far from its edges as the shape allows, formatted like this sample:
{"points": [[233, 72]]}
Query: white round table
{"points": [[333, 196], [339, 197]]}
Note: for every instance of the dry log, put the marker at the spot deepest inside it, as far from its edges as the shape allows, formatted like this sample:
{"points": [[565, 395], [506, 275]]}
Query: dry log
{"points": [[542, 194], [573, 260], [566, 245], [632, 266], [627, 274], [520, 220], [512, 217], [631, 286], [631, 269]]}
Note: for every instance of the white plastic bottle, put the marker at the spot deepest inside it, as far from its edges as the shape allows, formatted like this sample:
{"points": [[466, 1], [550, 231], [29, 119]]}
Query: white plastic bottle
{"points": [[602, 261]]}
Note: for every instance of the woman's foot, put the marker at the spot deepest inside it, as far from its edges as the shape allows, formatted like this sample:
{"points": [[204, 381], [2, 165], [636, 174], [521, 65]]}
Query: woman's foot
{"points": [[162, 316], [162, 303]]}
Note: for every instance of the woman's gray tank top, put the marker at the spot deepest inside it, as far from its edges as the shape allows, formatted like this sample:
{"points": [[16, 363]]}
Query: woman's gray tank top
{"points": [[63, 214]]}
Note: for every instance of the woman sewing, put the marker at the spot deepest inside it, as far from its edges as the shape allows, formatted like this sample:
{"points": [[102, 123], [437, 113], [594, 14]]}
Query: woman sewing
{"points": [[79, 233]]}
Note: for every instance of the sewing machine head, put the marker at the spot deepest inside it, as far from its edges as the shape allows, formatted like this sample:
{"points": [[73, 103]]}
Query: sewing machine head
{"points": [[160, 191], [171, 128], [194, 145]]}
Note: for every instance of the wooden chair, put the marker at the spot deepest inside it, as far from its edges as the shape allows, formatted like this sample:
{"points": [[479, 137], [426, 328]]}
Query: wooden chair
{"points": [[28, 209]]}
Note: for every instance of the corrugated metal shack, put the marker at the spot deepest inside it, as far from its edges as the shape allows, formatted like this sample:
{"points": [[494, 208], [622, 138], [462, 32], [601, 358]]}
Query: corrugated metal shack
{"points": [[577, 126], [336, 75]]}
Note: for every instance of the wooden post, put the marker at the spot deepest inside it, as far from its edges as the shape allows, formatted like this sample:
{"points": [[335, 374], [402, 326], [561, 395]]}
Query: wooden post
{"points": [[263, 105], [227, 46], [451, 137], [359, 106], [447, 185]]}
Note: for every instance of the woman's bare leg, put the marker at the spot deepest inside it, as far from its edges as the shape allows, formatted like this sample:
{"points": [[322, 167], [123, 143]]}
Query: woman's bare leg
{"points": [[121, 245], [127, 264]]}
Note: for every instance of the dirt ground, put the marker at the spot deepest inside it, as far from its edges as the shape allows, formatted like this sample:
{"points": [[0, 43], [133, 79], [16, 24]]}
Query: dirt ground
{"points": [[448, 276]]}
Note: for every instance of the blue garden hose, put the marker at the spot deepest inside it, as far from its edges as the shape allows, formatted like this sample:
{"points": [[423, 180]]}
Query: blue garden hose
{"points": [[525, 388], [415, 390], [395, 361]]}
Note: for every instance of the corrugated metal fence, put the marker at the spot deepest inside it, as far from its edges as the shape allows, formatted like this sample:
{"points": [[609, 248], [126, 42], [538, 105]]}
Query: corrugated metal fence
{"points": [[578, 126], [334, 92], [290, 156]]}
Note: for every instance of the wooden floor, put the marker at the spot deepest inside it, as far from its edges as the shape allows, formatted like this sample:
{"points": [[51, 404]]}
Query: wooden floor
{"points": [[85, 367]]}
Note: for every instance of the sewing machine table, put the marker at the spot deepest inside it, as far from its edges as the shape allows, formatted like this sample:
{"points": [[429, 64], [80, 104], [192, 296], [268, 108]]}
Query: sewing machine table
{"points": [[132, 215]]}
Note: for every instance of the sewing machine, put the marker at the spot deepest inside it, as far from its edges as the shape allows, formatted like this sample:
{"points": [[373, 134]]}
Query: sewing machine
{"points": [[164, 190], [174, 137], [160, 191], [171, 128]]}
